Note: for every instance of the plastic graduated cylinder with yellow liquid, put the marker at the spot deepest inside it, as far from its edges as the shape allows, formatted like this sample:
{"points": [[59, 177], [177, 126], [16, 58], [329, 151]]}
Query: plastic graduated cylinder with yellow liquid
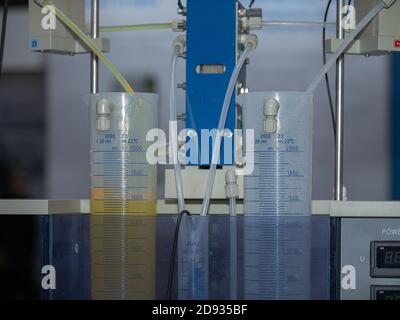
{"points": [[123, 196]]}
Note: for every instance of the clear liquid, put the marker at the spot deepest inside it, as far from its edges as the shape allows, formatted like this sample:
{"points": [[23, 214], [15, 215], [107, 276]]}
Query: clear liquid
{"points": [[277, 203]]}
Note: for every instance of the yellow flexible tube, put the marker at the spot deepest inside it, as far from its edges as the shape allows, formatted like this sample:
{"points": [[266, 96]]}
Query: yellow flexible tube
{"points": [[90, 44], [137, 27]]}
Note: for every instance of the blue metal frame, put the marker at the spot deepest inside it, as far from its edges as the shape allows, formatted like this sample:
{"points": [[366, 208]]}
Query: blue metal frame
{"points": [[395, 126], [211, 39]]}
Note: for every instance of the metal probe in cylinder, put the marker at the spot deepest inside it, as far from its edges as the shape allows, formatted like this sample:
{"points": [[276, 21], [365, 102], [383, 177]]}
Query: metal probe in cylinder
{"points": [[94, 60]]}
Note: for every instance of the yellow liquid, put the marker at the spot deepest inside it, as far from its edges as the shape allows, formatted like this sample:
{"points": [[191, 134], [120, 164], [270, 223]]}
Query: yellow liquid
{"points": [[123, 248]]}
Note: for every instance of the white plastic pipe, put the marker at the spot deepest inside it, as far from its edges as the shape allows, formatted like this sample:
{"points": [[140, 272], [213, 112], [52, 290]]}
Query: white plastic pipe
{"points": [[232, 207], [220, 132], [174, 134], [292, 23], [233, 248], [232, 192]]}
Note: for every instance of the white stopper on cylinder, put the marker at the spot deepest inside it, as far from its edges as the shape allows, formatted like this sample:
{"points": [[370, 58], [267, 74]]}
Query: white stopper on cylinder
{"points": [[271, 108], [103, 110]]}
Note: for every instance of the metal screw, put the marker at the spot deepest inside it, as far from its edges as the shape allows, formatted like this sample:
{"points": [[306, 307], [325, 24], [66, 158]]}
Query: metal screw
{"points": [[181, 86], [228, 133], [192, 133], [244, 90], [182, 12]]}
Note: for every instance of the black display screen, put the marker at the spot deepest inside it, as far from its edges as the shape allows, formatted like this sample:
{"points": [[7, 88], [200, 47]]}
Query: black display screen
{"points": [[388, 257], [391, 295]]}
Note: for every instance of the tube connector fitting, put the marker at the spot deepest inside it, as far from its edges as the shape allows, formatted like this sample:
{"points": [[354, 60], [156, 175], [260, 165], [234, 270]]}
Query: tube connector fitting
{"points": [[178, 25], [250, 19], [103, 111], [271, 108], [231, 188], [250, 41], [180, 44]]}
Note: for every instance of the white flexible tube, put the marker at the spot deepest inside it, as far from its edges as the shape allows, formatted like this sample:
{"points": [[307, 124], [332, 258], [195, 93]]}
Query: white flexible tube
{"points": [[293, 23], [174, 134], [232, 192], [343, 46], [220, 131], [232, 207], [233, 248]]}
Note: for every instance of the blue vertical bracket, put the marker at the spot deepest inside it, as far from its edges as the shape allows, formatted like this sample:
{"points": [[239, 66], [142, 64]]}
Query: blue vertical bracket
{"points": [[211, 30]]}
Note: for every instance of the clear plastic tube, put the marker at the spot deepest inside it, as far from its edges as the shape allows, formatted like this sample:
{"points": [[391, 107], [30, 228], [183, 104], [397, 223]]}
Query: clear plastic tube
{"points": [[221, 124], [90, 44], [343, 46], [297, 23], [174, 134], [233, 248], [194, 251], [232, 207], [137, 27]]}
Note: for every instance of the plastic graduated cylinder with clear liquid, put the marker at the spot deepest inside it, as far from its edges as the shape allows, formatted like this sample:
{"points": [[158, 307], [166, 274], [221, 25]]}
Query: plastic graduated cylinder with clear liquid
{"points": [[193, 273], [123, 196], [277, 195]]}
